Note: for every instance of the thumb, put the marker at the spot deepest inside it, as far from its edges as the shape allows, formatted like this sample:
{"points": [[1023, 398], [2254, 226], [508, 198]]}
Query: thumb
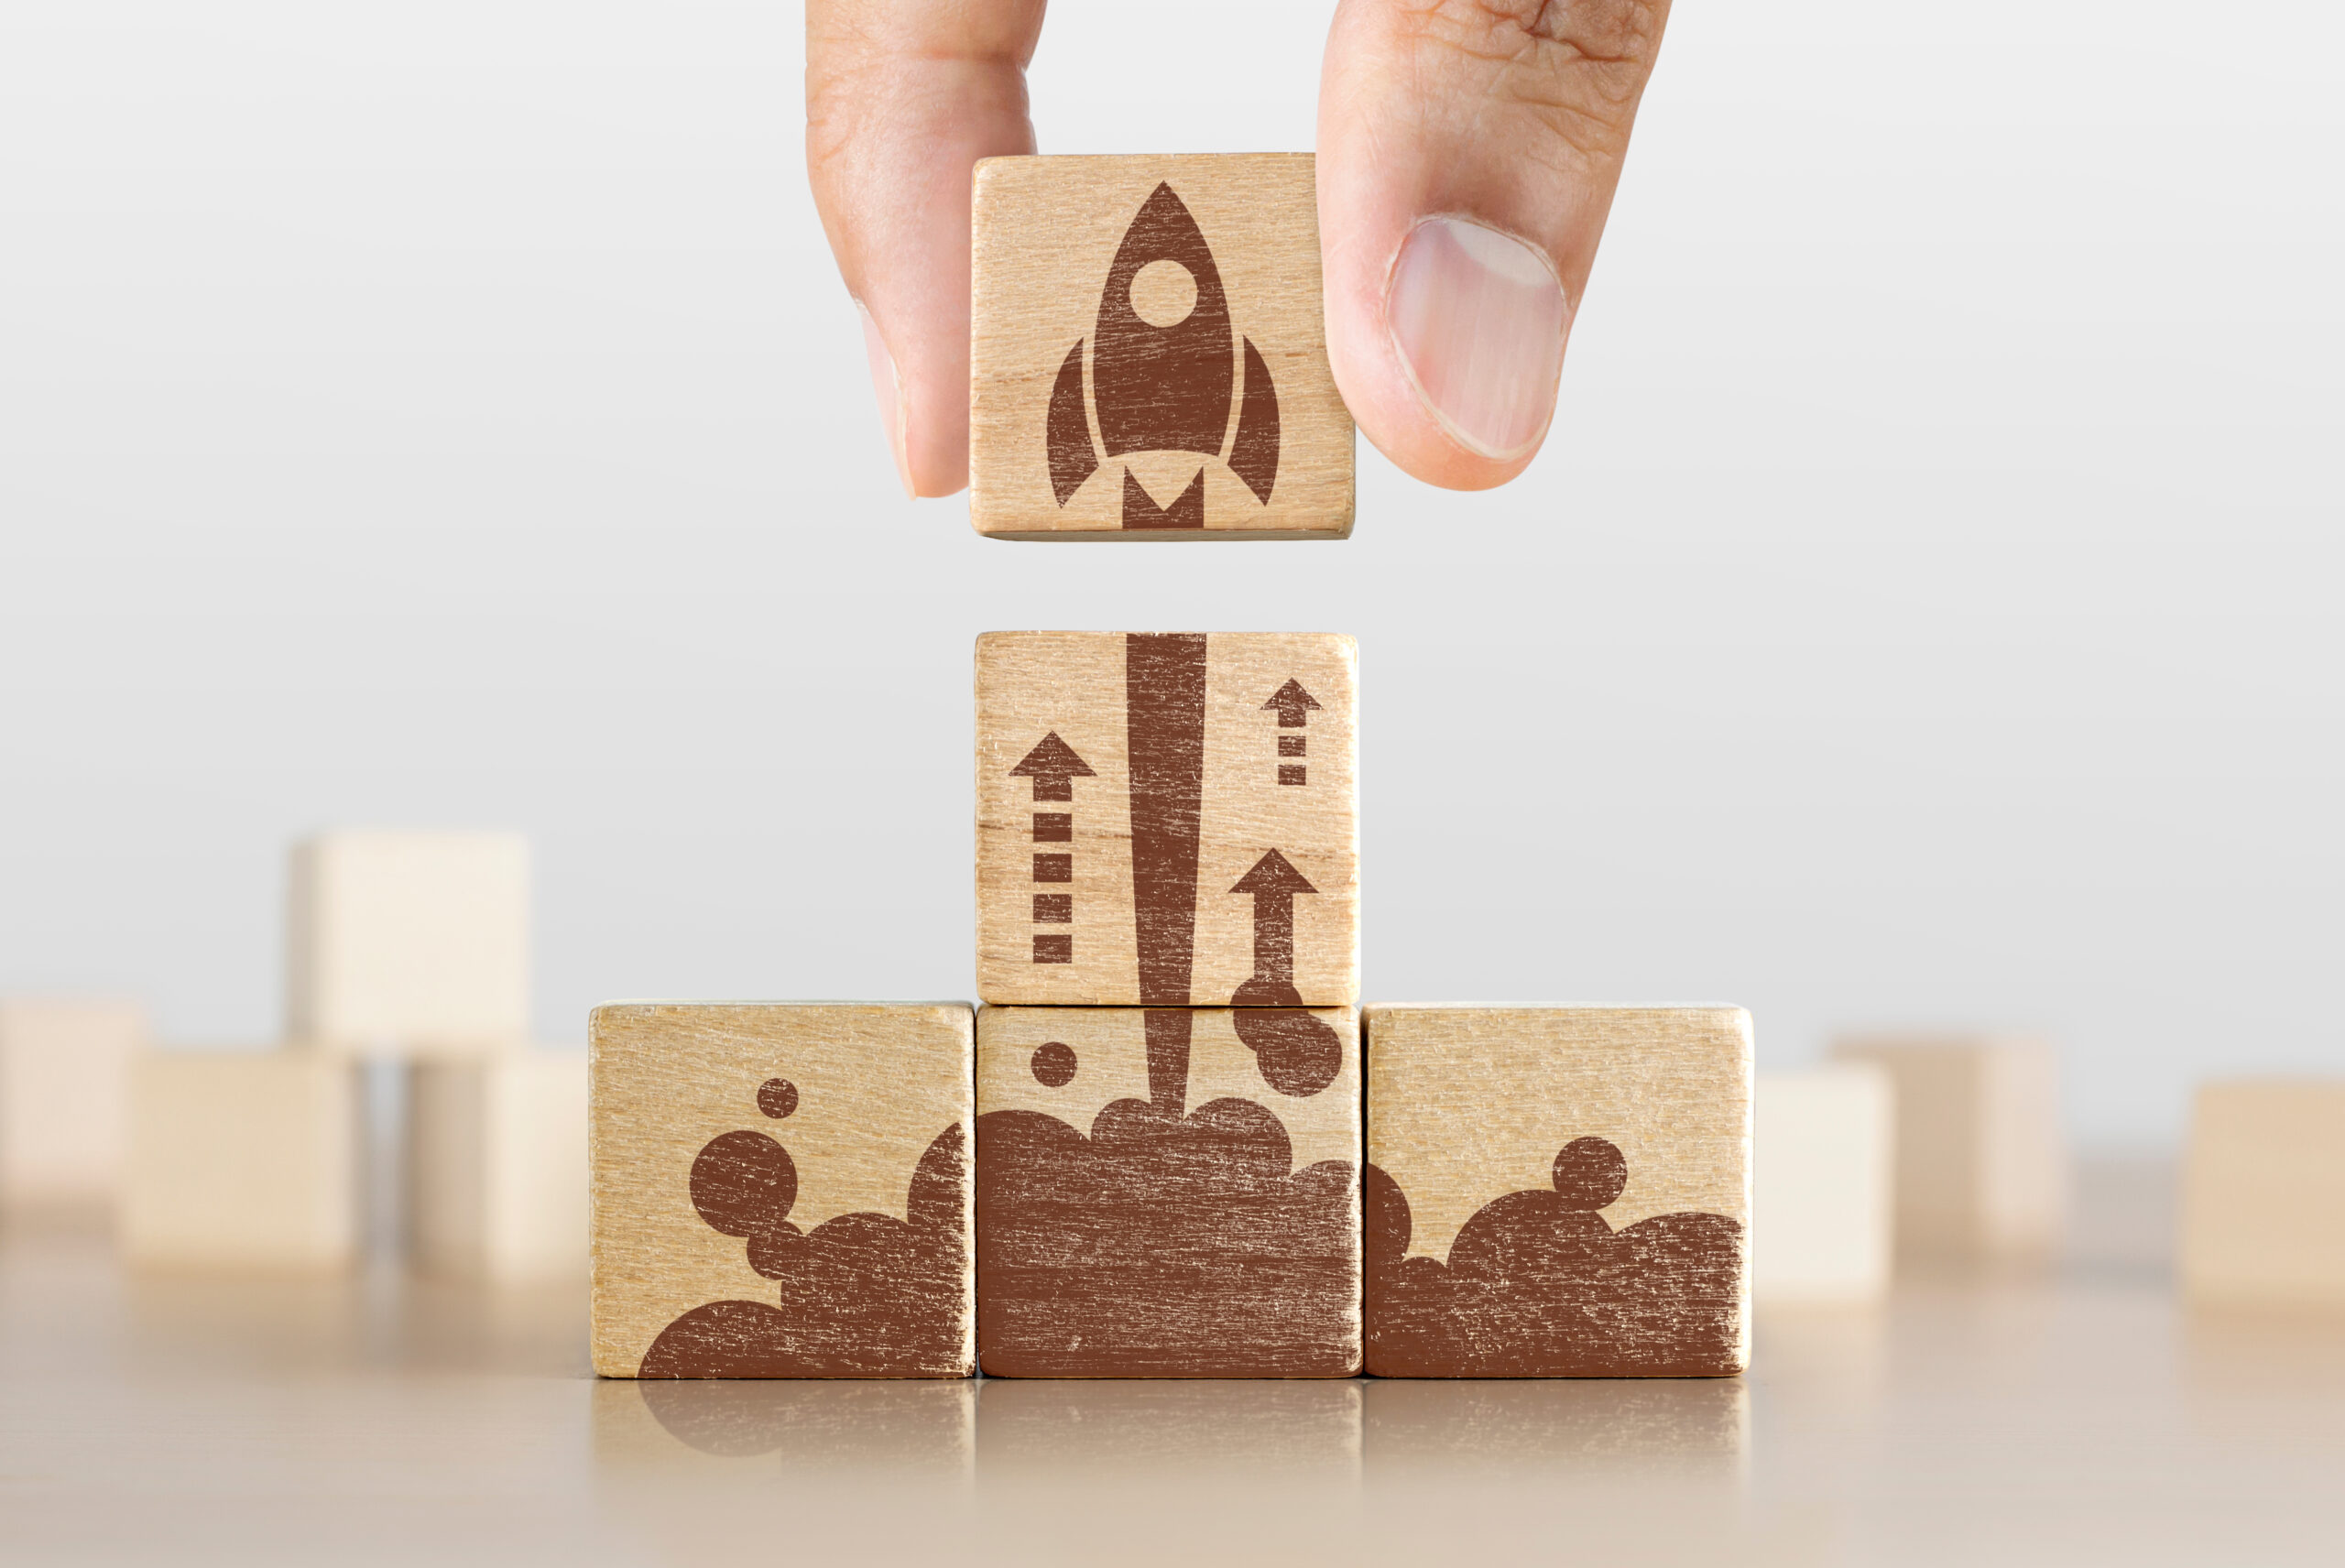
{"points": [[1468, 151], [902, 98]]}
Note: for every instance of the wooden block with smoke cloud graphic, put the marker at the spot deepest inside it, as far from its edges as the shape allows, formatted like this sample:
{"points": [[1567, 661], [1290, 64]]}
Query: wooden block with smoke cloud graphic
{"points": [[1167, 819], [1557, 1192], [783, 1190], [1148, 352], [1159, 1195]]}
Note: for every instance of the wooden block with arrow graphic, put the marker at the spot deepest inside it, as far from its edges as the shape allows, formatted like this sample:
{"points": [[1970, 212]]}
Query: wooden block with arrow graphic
{"points": [[1557, 1192], [1169, 1191], [1148, 352], [1167, 820]]}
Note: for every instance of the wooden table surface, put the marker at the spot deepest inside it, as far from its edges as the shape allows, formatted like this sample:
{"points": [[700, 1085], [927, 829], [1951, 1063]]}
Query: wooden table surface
{"points": [[2084, 1418]]}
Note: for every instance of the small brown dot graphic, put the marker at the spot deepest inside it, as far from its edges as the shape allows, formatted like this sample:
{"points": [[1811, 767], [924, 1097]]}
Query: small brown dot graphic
{"points": [[1053, 1063], [1589, 1173], [777, 1097]]}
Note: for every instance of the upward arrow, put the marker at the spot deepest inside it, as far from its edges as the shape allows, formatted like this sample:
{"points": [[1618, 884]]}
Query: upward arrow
{"points": [[1294, 706], [1274, 882], [1053, 765], [1274, 877]]}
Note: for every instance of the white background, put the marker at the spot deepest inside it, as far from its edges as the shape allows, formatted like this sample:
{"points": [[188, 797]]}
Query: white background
{"points": [[1925, 610]]}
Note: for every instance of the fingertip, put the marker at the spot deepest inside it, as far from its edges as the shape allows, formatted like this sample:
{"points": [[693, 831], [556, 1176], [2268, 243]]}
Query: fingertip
{"points": [[888, 388], [1449, 350]]}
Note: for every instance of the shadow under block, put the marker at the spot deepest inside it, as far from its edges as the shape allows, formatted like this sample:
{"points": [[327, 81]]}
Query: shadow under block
{"points": [[1982, 1172], [1157, 1199], [497, 1167], [2264, 1194], [242, 1161], [1822, 1156], [1557, 1192], [1148, 353], [783, 1190], [414, 943], [1167, 820], [62, 1067]]}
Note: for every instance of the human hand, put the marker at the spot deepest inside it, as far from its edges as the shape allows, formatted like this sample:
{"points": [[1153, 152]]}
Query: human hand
{"points": [[1468, 156]]}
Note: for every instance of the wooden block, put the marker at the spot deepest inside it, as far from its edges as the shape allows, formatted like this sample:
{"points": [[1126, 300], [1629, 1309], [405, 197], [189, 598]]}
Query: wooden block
{"points": [[1982, 1172], [61, 1066], [2264, 1194], [1168, 1192], [242, 1159], [409, 942], [783, 1190], [1823, 1157], [497, 1167], [1167, 819], [1557, 1192], [1148, 352]]}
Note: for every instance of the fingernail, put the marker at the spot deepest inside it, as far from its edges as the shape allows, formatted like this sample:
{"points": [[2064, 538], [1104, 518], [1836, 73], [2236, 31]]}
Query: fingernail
{"points": [[889, 388], [1478, 319]]}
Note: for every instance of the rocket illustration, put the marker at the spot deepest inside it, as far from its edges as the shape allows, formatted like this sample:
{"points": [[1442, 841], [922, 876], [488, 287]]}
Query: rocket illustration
{"points": [[1165, 388]]}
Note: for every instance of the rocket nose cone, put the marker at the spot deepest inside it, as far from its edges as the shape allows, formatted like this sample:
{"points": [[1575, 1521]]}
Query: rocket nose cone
{"points": [[1169, 388]]}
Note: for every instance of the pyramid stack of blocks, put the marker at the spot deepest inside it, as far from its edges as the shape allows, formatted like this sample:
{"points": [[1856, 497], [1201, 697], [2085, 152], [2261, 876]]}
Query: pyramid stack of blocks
{"points": [[1170, 1143]]}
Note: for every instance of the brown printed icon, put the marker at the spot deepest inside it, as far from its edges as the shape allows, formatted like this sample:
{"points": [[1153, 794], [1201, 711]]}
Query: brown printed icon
{"points": [[783, 1190], [1054, 768], [1295, 707], [1538, 1285], [1193, 874], [1148, 1205], [1148, 351], [860, 1295], [1557, 1192], [1163, 385]]}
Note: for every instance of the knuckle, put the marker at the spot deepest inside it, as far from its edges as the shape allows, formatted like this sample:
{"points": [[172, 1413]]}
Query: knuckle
{"points": [[1578, 66]]}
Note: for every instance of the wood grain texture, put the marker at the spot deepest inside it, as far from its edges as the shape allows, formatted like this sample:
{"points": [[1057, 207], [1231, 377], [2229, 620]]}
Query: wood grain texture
{"points": [[242, 1161], [1137, 1221], [2263, 1195], [1982, 1169], [1152, 324], [1119, 885], [1557, 1191], [783, 1190]]}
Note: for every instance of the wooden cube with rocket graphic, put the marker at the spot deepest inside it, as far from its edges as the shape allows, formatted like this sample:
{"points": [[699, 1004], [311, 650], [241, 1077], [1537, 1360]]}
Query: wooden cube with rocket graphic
{"points": [[1557, 1192], [1148, 354], [1168, 819], [783, 1190]]}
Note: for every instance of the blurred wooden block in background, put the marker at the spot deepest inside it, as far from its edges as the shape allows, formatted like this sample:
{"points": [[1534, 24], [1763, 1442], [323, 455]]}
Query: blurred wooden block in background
{"points": [[783, 1190], [1822, 1205], [409, 942], [2264, 1194], [497, 1167], [1167, 819], [1148, 353], [1558, 1192], [62, 1062], [1982, 1168], [1169, 1191], [242, 1161]]}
